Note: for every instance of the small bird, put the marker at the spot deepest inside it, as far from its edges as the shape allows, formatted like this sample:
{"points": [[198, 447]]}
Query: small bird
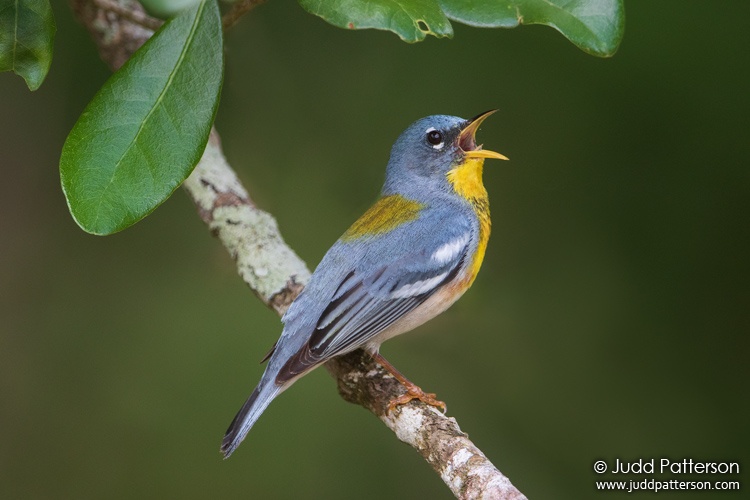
{"points": [[403, 262]]}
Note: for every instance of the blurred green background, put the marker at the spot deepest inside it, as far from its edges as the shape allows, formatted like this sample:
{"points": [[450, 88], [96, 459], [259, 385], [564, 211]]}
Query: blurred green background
{"points": [[610, 319]]}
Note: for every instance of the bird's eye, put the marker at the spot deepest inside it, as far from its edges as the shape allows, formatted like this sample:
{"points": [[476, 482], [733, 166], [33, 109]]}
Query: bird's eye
{"points": [[435, 138]]}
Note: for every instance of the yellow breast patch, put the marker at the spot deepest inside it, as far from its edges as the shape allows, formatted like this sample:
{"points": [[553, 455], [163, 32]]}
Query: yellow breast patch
{"points": [[466, 179], [385, 215]]}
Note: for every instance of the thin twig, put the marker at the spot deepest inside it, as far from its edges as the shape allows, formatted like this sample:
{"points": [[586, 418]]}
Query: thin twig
{"points": [[238, 10]]}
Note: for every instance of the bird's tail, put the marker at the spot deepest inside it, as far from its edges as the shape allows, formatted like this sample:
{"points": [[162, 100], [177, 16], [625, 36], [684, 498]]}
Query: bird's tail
{"points": [[247, 416]]}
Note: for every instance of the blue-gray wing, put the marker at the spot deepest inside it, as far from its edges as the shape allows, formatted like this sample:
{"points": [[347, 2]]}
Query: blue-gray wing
{"points": [[369, 299]]}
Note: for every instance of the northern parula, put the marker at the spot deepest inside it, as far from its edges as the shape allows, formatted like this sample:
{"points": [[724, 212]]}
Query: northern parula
{"points": [[406, 260]]}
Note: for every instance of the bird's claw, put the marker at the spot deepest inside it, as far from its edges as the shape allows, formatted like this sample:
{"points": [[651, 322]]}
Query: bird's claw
{"points": [[416, 393]]}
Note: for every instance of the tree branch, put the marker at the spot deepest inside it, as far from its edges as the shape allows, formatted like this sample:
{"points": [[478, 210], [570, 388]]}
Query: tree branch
{"points": [[269, 267], [276, 274], [136, 16], [117, 37]]}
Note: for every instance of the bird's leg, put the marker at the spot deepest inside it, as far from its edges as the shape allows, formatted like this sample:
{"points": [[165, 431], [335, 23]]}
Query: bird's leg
{"points": [[413, 391]]}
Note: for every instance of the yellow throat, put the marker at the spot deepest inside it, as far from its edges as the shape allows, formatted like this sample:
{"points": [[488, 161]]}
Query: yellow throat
{"points": [[466, 179]]}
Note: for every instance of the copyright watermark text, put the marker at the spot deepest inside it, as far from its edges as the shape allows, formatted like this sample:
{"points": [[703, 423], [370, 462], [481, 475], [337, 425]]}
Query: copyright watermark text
{"points": [[665, 466], [669, 474]]}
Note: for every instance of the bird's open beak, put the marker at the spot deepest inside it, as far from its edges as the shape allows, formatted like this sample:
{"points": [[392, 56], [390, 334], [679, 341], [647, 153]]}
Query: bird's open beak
{"points": [[468, 143]]}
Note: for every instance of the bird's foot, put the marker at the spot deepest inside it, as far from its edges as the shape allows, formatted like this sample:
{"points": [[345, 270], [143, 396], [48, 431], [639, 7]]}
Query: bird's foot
{"points": [[415, 392]]}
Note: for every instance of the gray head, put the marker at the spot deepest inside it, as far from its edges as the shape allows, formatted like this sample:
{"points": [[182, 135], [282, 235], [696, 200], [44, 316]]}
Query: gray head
{"points": [[426, 151]]}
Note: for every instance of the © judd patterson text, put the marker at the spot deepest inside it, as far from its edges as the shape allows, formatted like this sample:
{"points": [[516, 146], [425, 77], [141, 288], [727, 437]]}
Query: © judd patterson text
{"points": [[665, 466]]}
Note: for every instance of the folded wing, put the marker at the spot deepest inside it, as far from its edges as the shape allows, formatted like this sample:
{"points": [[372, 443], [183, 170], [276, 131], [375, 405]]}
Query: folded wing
{"points": [[366, 303]]}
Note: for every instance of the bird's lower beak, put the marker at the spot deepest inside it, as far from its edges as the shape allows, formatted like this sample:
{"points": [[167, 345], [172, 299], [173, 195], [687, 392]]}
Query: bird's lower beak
{"points": [[468, 143]]}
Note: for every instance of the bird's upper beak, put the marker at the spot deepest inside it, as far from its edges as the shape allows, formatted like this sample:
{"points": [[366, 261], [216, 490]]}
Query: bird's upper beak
{"points": [[467, 139]]}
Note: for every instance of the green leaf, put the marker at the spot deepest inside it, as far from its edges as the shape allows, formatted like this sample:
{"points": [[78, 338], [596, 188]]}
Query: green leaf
{"points": [[411, 20], [27, 33], [147, 127], [595, 26]]}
